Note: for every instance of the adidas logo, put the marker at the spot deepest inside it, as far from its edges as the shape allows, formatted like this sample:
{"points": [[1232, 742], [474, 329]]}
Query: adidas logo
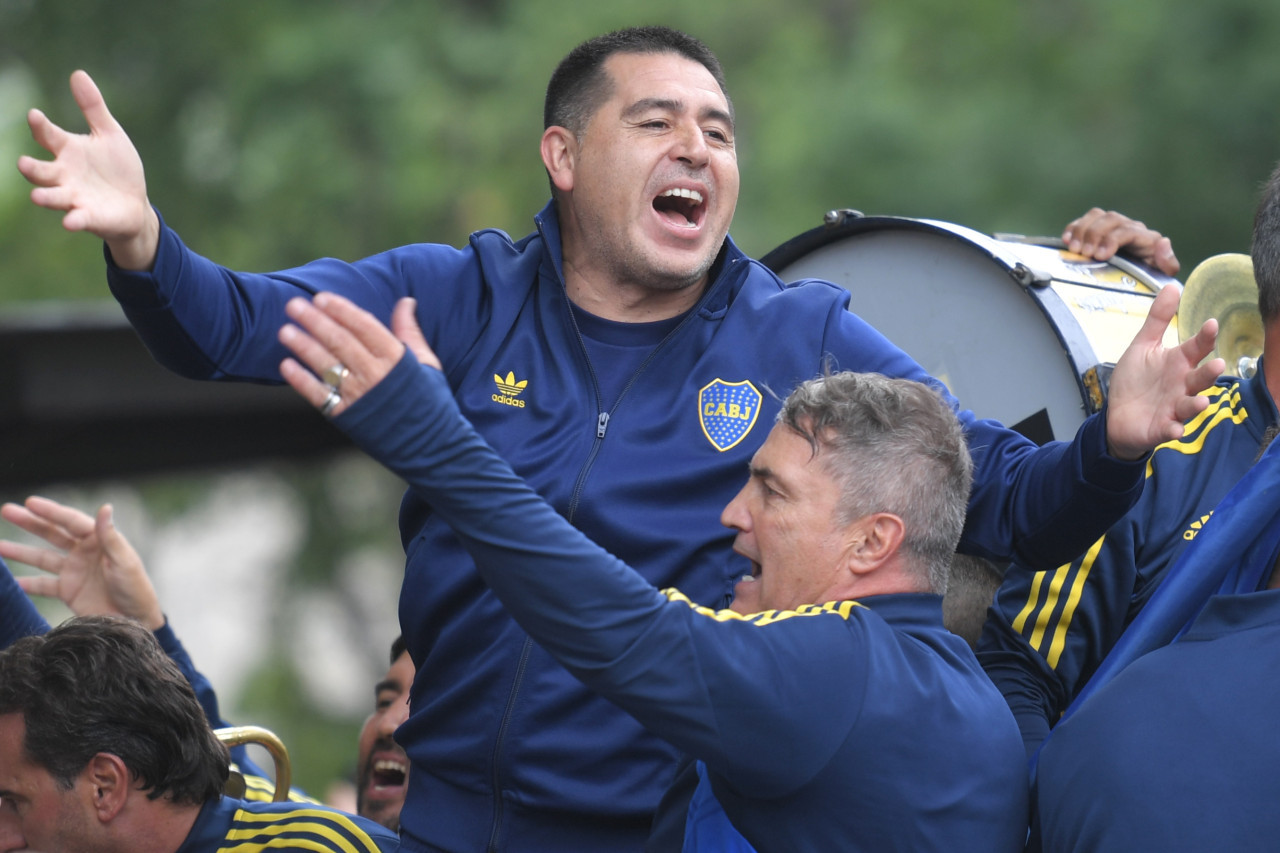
{"points": [[1196, 527], [509, 389]]}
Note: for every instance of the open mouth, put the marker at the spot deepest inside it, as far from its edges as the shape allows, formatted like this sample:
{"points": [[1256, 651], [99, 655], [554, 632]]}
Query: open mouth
{"points": [[681, 207], [388, 773]]}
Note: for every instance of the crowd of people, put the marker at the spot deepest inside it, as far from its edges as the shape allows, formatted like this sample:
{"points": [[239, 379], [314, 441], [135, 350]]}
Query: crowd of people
{"points": [[609, 642]]}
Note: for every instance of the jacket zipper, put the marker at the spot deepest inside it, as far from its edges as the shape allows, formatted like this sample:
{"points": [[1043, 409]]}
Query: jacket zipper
{"points": [[602, 425], [498, 806], [603, 418]]}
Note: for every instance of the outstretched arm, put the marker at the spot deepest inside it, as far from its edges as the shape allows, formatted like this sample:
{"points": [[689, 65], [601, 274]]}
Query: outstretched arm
{"points": [[90, 566], [93, 569], [96, 178], [704, 680]]}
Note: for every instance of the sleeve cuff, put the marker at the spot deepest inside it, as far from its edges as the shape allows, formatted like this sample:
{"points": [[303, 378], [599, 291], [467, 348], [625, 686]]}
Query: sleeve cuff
{"points": [[1098, 467], [141, 290]]}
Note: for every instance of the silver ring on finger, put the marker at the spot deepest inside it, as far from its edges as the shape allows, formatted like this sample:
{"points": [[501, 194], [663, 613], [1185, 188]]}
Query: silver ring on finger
{"points": [[331, 402], [334, 375]]}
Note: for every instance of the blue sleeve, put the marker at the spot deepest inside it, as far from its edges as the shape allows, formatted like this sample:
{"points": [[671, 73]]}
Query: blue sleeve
{"points": [[204, 690], [1050, 631], [18, 615], [1039, 506], [205, 321], [19, 618], [1047, 631], [706, 681]]}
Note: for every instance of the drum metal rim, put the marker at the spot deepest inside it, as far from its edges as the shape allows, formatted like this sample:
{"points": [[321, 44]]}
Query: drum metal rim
{"points": [[815, 238], [842, 224]]}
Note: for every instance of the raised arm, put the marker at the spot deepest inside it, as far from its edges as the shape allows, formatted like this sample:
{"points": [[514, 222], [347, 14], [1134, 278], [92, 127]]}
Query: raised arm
{"points": [[96, 178], [89, 566], [1049, 631], [599, 618], [93, 569]]}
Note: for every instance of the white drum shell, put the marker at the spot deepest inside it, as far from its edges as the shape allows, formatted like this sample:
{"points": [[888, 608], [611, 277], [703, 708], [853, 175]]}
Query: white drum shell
{"points": [[1011, 327]]}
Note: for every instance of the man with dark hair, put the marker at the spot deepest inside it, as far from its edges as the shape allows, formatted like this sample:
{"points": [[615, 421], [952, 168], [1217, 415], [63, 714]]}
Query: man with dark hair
{"points": [[104, 747], [620, 356], [382, 768], [1266, 250], [580, 83], [1051, 629], [94, 570], [102, 685], [829, 708]]}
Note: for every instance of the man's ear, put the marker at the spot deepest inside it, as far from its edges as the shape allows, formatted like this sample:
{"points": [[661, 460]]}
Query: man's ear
{"points": [[559, 155], [109, 782], [874, 540]]}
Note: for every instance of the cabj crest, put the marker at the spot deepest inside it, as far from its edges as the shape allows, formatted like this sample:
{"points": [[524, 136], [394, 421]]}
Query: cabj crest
{"points": [[728, 411]]}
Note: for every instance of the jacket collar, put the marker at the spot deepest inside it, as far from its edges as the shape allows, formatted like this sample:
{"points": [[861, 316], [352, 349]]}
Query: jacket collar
{"points": [[726, 273]]}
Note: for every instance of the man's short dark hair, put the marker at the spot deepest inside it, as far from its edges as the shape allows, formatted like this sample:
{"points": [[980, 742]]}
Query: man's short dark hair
{"points": [[1266, 249], [398, 647], [580, 85], [102, 684], [892, 445]]}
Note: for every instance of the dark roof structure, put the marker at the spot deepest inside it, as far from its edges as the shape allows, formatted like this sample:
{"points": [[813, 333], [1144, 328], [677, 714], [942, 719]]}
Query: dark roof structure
{"points": [[81, 399]]}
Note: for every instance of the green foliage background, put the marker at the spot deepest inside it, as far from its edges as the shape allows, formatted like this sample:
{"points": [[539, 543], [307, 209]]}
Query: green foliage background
{"points": [[275, 131]]}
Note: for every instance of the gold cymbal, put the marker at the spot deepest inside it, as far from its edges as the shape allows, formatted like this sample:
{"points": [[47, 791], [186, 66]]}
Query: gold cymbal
{"points": [[1223, 287]]}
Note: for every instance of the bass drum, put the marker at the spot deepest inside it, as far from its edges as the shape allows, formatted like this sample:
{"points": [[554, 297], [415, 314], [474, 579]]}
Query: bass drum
{"points": [[1019, 328]]}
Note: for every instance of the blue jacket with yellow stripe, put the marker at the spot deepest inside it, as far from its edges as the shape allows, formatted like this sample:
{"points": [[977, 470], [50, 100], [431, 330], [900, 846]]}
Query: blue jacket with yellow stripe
{"points": [[227, 823], [640, 453], [251, 827], [19, 618], [1048, 630], [852, 725]]}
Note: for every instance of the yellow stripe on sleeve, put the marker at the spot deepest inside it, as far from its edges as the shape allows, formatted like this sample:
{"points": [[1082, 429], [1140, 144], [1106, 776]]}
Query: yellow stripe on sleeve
{"points": [[840, 608], [1069, 611], [1051, 601], [259, 789], [290, 843], [1224, 407], [1021, 620], [336, 831]]}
